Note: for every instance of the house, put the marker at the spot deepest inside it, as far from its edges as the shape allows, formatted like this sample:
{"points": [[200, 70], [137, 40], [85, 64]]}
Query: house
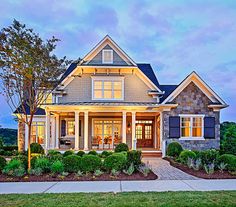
{"points": [[106, 98]]}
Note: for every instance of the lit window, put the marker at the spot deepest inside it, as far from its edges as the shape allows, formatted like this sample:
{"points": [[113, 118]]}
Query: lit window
{"points": [[70, 128], [37, 132], [191, 126], [107, 56], [108, 89]]}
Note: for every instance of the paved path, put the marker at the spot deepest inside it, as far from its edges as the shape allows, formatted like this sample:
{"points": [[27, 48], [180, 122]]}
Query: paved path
{"points": [[117, 186], [165, 171]]}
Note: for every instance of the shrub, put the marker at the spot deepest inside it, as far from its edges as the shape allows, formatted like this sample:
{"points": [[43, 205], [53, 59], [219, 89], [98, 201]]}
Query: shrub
{"points": [[130, 170], [43, 163], [98, 173], [33, 160], [229, 146], [54, 157], [93, 152], [115, 161], [115, 172], [36, 171], [134, 157], [230, 160], [68, 152], [3, 163], [222, 166], [53, 152], [144, 170], [72, 163], [23, 159], [15, 168], [208, 156], [10, 148], [122, 147], [36, 148], [57, 167], [209, 168], [105, 154], [81, 153], [185, 154], [174, 149], [90, 163]]}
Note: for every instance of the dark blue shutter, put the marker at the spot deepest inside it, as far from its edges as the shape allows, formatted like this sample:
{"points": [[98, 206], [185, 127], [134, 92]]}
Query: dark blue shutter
{"points": [[63, 128], [174, 127], [209, 127]]}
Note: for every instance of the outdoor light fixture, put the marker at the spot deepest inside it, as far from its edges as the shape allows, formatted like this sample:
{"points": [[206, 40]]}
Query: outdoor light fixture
{"points": [[129, 127]]}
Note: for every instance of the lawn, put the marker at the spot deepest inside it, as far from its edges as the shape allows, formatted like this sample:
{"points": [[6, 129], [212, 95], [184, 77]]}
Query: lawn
{"points": [[217, 198]]}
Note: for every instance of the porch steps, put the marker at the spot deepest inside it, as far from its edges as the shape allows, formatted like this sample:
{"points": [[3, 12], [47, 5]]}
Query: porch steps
{"points": [[151, 154]]}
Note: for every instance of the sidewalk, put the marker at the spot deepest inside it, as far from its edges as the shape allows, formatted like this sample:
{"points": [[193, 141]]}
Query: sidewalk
{"points": [[117, 186]]}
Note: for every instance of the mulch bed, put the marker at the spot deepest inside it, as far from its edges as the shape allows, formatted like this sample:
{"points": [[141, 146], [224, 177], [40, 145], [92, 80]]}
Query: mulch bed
{"points": [[201, 173], [74, 177]]}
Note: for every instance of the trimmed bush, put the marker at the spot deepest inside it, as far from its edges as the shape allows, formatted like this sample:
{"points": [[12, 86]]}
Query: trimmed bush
{"points": [[122, 147], [72, 163], [93, 152], [14, 168], [3, 163], [208, 156], [185, 154], [43, 163], [90, 163], [57, 167], [68, 152], [10, 148], [116, 161], [33, 161], [53, 152], [53, 158], [105, 154], [134, 157], [36, 148], [23, 159], [228, 159], [81, 153], [174, 149]]}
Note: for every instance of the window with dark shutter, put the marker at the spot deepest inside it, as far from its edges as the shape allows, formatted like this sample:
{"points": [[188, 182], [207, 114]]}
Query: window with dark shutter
{"points": [[209, 127], [63, 128], [174, 127]]}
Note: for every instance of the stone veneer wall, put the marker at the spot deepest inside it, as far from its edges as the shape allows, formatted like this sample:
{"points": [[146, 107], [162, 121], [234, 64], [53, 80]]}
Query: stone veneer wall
{"points": [[21, 136], [192, 101]]}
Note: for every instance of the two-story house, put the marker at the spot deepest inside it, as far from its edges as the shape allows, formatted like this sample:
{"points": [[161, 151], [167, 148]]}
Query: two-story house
{"points": [[106, 98]]}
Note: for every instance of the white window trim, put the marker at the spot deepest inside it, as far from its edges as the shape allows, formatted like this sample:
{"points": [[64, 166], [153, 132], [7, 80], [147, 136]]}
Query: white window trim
{"points": [[108, 78], [68, 119], [191, 116], [103, 60]]}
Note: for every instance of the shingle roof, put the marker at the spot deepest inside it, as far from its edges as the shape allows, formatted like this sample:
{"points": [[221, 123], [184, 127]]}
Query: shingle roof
{"points": [[148, 71], [68, 71], [19, 110], [168, 90]]}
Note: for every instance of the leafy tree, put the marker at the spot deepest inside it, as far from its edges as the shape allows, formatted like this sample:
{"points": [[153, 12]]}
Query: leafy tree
{"points": [[29, 71]]}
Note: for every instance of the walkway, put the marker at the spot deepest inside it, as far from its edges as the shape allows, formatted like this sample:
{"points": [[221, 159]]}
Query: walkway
{"points": [[117, 186], [165, 171]]}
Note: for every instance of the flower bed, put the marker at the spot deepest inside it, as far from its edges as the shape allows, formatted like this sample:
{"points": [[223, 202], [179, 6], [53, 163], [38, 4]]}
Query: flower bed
{"points": [[120, 165], [208, 164]]}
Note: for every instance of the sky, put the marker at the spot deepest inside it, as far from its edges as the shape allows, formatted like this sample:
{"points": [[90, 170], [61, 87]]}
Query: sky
{"points": [[176, 37]]}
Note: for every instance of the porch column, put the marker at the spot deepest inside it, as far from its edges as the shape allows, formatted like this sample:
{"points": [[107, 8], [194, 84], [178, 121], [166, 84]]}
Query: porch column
{"points": [[47, 137], [57, 131], [53, 129], [124, 127], [76, 130], [86, 130], [133, 130]]}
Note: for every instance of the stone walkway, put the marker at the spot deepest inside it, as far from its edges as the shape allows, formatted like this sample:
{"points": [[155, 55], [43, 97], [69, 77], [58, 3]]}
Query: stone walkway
{"points": [[165, 171]]}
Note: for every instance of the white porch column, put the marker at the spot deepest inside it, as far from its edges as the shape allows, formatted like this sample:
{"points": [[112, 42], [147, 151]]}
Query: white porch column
{"points": [[86, 130], [57, 131], [76, 130], [124, 127], [47, 137], [133, 130], [53, 129]]}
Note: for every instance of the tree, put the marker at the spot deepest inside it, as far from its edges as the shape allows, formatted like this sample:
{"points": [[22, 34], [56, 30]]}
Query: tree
{"points": [[29, 71]]}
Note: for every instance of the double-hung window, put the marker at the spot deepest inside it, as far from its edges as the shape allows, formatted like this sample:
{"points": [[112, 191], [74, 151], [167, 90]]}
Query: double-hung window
{"points": [[191, 126], [107, 88]]}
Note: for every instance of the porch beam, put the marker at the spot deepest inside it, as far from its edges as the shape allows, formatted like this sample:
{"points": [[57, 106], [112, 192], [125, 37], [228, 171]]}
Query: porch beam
{"points": [[77, 130], [86, 130], [124, 127], [133, 130]]}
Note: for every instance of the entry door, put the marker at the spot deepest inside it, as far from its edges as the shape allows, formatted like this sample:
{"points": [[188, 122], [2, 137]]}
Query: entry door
{"points": [[144, 134]]}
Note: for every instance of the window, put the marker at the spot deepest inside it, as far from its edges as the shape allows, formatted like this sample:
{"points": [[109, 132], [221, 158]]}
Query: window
{"points": [[70, 128], [192, 126], [105, 89], [38, 132], [107, 56]]}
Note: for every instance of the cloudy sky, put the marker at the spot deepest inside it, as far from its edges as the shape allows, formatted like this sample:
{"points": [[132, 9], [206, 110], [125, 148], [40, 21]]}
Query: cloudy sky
{"points": [[176, 37]]}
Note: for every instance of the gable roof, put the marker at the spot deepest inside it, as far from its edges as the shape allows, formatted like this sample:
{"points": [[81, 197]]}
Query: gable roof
{"points": [[108, 40], [198, 81], [24, 106], [167, 89]]}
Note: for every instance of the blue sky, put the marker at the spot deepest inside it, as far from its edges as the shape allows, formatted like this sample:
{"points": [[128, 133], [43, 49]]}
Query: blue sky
{"points": [[176, 37]]}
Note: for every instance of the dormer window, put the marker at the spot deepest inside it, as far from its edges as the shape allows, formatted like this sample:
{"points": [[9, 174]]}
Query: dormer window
{"points": [[107, 56]]}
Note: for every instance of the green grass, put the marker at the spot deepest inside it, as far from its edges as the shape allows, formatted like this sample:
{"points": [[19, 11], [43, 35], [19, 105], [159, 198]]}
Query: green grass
{"points": [[216, 198]]}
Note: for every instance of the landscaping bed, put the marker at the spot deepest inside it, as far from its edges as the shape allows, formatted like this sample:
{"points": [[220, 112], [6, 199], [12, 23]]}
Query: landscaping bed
{"points": [[201, 173]]}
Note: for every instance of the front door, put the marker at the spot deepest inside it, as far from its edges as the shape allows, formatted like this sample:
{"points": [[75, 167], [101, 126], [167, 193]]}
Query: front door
{"points": [[144, 133]]}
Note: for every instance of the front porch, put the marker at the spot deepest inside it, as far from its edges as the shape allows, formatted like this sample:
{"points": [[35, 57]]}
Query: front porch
{"points": [[91, 130]]}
